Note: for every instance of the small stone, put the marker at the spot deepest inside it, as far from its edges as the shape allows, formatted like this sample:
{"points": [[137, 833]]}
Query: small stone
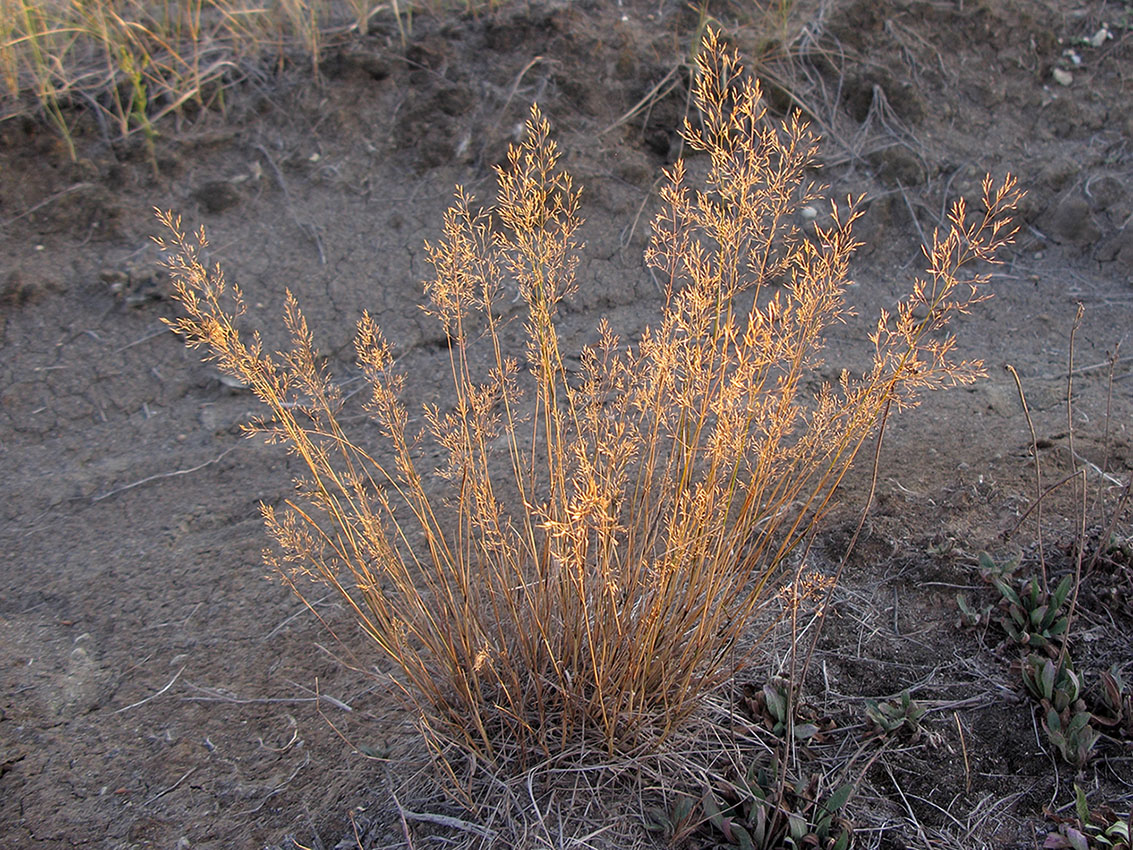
{"points": [[1062, 77], [143, 284], [116, 280], [808, 213], [234, 385], [1100, 37]]}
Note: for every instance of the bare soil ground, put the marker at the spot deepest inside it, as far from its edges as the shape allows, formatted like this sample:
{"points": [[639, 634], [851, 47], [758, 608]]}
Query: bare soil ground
{"points": [[157, 691]]}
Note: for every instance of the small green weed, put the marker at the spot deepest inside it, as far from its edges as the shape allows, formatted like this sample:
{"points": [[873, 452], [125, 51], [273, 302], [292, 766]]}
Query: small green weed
{"points": [[753, 814], [1065, 718], [674, 824], [972, 615], [992, 570], [1033, 617], [1038, 620], [900, 714], [762, 810], [772, 707], [1097, 829], [1114, 704]]}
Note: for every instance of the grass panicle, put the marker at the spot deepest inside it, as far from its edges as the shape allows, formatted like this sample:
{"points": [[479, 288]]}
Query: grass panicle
{"points": [[606, 532]]}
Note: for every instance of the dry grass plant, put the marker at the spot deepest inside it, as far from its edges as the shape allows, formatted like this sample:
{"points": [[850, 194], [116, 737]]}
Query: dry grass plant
{"points": [[606, 534], [134, 62]]}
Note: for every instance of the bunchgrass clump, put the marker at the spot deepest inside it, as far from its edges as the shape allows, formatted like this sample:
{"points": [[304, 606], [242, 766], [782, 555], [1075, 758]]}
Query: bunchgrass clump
{"points": [[606, 533], [133, 62]]}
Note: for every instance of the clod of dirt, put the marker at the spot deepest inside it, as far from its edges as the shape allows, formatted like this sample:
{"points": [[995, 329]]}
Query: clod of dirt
{"points": [[84, 208], [1069, 118], [1118, 248], [862, 89], [136, 285], [634, 167], [1057, 174], [885, 214], [25, 287], [84, 686], [1105, 192], [9, 756], [430, 127], [1069, 222], [531, 28], [897, 165], [217, 196], [345, 62]]}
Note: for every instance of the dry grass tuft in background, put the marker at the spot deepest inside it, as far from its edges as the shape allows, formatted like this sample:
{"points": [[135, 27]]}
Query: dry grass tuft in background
{"points": [[607, 534], [133, 62]]}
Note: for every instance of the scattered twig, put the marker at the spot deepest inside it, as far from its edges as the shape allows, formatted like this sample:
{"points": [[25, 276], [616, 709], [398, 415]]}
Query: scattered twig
{"points": [[160, 475], [165, 791], [1007, 534], [400, 813], [217, 695], [515, 87], [964, 750], [279, 787], [153, 696], [535, 804], [449, 822], [77, 187], [627, 232], [912, 213], [1108, 533], [1097, 470], [651, 96], [149, 336], [308, 230], [908, 808], [1081, 474], [853, 541], [1112, 358], [302, 610], [1038, 473], [290, 743], [1082, 370], [357, 837]]}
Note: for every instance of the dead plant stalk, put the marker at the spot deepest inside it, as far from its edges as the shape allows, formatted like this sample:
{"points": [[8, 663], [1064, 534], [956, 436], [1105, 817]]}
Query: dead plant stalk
{"points": [[610, 532]]}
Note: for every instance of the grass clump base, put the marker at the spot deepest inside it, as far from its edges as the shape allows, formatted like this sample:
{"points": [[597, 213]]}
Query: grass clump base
{"points": [[605, 534]]}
